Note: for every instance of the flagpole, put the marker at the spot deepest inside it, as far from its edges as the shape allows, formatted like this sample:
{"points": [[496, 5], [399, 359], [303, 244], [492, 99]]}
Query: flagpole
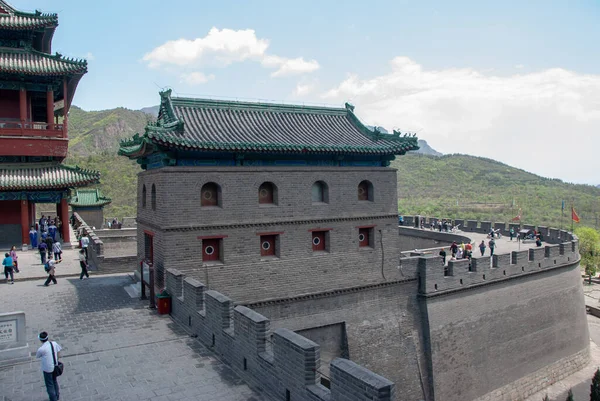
{"points": [[572, 221], [562, 214]]}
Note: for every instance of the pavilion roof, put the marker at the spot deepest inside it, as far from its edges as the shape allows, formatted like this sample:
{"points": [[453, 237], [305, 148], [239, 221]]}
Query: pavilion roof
{"points": [[10, 18], [32, 62], [89, 197], [16, 177], [228, 126]]}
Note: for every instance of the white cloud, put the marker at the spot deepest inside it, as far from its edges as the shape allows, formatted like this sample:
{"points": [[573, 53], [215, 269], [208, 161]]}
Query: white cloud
{"points": [[303, 89], [519, 66], [546, 122], [223, 47], [89, 56], [196, 78], [287, 66]]}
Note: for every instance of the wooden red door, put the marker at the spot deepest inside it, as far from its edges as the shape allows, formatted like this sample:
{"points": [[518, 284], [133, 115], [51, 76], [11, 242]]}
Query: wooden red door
{"points": [[267, 245], [211, 249], [318, 241]]}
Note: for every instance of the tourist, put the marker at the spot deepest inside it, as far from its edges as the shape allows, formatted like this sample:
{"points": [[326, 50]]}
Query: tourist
{"points": [[454, 248], [33, 237], [43, 224], [57, 250], [84, 265], [511, 232], [443, 255], [52, 229], [49, 267], [492, 245], [400, 220], [85, 241], [49, 241], [538, 241], [459, 253], [73, 219], [8, 268], [49, 353], [43, 248], [482, 247], [13, 255], [468, 247]]}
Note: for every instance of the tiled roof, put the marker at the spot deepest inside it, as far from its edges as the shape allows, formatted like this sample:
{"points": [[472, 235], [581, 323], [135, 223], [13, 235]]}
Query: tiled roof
{"points": [[89, 197], [210, 125], [37, 63], [44, 176], [14, 19]]}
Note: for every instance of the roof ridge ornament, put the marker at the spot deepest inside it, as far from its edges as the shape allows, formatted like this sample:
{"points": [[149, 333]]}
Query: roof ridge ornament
{"points": [[349, 107]]}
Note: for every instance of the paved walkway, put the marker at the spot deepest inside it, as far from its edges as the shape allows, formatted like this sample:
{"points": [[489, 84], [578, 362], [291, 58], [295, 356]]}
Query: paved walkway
{"points": [[114, 348], [30, 265]]}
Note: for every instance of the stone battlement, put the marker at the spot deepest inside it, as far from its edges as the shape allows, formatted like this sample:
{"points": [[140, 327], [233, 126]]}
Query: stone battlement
{"points": [[284, 364], [461, 274]]}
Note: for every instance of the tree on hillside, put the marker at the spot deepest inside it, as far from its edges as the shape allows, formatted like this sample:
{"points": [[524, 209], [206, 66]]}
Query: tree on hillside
{"points": [[589, 248], [546, 398], [570, 395], [595, 387]]}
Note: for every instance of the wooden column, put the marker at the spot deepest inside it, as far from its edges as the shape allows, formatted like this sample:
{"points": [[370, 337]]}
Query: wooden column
{"points": [[50, 109], [24, 222], [23, 106], [65, 109], [64, 217]]}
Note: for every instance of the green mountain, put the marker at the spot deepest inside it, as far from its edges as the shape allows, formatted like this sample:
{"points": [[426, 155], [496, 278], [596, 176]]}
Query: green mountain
{"points": [[93, 143], [434, 185], [478, 188]]}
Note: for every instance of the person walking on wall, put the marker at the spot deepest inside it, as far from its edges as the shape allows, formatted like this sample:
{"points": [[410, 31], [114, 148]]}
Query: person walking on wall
{"points": [[84, 265], [50, 269], [492, 245], [8, 268], [57, 250], [43, 248], [13, 255], [48, 354], [482, 247], [453, 249], [85, 241], [443, 255], [49, 242], [33, 240], [511, 233]]}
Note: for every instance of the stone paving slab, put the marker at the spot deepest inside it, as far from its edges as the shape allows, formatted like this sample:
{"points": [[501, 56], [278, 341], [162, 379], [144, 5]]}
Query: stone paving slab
{"points": [[30, 265], [114, 347]]}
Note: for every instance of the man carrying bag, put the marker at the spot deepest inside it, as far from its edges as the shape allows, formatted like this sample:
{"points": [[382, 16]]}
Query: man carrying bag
{"points": [[49, 353]]}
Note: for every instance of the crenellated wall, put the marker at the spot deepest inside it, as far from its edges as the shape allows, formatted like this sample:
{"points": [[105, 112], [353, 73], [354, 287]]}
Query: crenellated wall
{"points": [[283, 363], [502, 328]]}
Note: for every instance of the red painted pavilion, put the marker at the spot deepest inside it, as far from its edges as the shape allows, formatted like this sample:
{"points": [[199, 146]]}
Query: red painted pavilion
{"points": [[36, 90]]}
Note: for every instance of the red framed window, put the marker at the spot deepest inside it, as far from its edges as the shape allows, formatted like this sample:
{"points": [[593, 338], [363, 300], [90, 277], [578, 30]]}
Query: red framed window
{"points": [[209, 194], [268, 245], [365, 237], [266, 193], [319, 241], [211, 249]]}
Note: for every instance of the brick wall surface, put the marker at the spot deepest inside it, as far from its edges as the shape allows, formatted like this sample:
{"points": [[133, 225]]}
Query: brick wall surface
{"points": [[282, 363], [383, 326]]}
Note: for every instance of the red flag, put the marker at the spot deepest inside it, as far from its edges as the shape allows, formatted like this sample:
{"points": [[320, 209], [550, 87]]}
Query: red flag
{"points": [[574, 215], [517, 218]]}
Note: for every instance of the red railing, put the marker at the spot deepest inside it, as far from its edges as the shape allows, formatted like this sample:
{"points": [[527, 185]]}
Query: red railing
{"points": [[16, 128]]}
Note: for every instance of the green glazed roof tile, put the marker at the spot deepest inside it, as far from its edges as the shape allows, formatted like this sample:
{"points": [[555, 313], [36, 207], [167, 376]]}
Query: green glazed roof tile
{"points": [[89, 197], [31, 62], [10, 18], [36, 176]]}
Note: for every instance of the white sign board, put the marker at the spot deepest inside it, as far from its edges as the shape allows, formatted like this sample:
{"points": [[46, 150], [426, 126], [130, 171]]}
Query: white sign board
{"points": [[8, 331], [59, 105]]}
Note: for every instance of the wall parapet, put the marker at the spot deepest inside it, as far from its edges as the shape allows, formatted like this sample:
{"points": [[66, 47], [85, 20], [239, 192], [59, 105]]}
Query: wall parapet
{"points": [[435, 279], [283, 363], [95, 247]]}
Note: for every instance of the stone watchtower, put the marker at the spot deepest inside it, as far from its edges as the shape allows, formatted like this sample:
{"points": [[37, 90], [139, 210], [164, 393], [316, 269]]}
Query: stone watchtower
{"points": [[262, 201]]}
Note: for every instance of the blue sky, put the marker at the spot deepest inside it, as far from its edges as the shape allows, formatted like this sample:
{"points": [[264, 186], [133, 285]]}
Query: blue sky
{"points": [[484, 78]]}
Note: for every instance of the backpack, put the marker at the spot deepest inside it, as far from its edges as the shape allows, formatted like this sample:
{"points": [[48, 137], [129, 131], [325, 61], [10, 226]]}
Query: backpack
{"points": [[47, 267]]}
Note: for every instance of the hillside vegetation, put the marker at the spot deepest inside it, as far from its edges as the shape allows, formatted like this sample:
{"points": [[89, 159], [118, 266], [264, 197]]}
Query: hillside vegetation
{"points": [[449, 186], [478, 188]]}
